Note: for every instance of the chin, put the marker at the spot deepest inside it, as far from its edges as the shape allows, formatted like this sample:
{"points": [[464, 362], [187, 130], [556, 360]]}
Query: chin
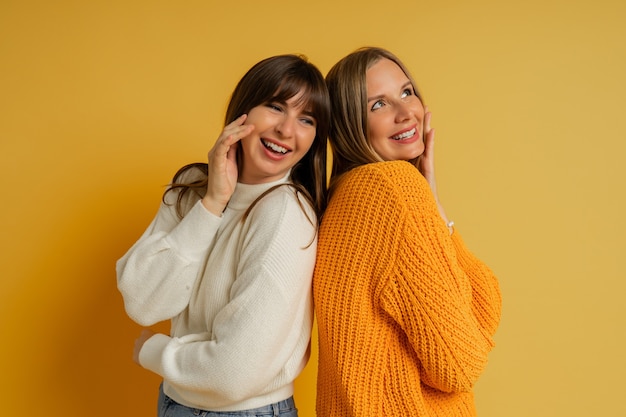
{"points": [[415, 155], [419, 152]]}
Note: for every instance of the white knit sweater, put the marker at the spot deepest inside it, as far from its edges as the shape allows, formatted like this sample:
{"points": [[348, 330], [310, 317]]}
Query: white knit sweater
{"points": [[238, 295]]}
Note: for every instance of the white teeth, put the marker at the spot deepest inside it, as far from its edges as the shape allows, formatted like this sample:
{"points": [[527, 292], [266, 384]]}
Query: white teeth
{"points": [[274, 147], [404, 135]]}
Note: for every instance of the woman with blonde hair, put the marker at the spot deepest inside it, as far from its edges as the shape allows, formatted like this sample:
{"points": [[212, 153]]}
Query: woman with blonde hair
{"points": [[406, 314]]}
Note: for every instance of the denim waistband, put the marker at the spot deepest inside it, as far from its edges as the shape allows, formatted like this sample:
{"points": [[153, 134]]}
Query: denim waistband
{"points": [[280, 407]]}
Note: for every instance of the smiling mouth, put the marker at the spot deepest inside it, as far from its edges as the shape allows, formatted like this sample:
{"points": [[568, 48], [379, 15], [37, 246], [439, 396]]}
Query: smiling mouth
{"points": [[405, 135], [274, 147]]}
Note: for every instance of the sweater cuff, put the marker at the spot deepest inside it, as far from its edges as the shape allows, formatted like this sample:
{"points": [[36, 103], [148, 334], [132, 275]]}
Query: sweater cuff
{"points": [[151, 353], [193, 235]]}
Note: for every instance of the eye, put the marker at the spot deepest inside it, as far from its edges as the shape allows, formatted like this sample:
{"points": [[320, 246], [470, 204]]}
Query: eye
{"points": [[407, 92], [309, 121], [274, 106], [377, 105]]}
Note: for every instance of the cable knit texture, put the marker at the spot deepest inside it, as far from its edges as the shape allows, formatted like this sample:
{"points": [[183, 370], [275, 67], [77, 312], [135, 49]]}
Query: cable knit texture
{"points": [[406, 313]]}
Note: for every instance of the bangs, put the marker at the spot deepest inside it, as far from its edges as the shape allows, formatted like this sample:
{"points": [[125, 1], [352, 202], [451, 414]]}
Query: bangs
{"points": [[280, 79], [313, 98]]}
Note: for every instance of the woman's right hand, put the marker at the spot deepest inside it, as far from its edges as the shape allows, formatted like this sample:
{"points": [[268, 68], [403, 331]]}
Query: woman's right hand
{"points": [[223, 171], [427, 162], [427, 159]]}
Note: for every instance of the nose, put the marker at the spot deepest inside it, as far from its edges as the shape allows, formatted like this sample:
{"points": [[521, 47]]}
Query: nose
{"points": [[285, 126], [404, 112]]}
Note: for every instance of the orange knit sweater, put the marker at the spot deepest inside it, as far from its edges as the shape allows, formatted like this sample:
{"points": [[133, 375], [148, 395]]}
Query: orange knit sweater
{"points": [[406, 313]]}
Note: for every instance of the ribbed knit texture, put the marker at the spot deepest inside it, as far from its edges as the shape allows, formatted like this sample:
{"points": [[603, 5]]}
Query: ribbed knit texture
{"points": [[238, 294], [406, 313]]}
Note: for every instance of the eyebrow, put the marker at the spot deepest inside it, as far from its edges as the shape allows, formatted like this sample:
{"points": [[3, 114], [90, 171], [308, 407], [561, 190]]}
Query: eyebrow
{"points": [[309, 113], [382, 95]]}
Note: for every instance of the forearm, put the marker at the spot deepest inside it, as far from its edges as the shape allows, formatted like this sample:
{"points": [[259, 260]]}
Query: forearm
{"points": [[257, 343], [157, 275], [259, 338], [486, 297], [432, 303]]}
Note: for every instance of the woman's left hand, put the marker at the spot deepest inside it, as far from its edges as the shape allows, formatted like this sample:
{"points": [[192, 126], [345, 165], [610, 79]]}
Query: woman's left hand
{"points": [[145, 335]]}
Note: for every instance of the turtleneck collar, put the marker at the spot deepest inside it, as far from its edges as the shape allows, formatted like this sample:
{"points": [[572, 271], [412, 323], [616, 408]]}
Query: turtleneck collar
{"points": [[245, 194]]}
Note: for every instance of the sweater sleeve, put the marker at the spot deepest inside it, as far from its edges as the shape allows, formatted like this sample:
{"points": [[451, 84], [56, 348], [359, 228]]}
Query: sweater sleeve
{"points": [[486, 297], [157, 274], [260, 338], [430, 295]]}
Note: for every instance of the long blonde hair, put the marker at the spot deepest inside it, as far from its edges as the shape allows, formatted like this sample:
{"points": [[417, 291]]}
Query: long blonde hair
{"points": [[347, 86]]}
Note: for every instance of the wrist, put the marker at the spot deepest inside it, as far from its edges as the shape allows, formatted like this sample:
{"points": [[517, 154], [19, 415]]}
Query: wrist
{"points": [[450, 226], [213, 206]]}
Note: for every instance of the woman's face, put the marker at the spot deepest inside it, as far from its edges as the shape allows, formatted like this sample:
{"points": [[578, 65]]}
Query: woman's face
{"points": [[283, 134], [395, 115]]}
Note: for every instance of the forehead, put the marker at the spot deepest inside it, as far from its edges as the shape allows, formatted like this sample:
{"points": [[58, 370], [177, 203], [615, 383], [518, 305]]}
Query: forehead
{"points": [[384, 75], [301, 100]]}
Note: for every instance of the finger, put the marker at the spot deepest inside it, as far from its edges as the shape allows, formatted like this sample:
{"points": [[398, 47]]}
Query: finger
{"points": [[241, 132], [430, 136], [232, 152], [232, 131], [427, 118], [429, 132], [234, 127], [236, 136], [228, 138], [238, 121], [429, 144]]}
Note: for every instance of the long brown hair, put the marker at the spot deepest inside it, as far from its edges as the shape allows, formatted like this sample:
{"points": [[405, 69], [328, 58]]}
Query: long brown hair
{"points": [[347, 85], [280, 78]]}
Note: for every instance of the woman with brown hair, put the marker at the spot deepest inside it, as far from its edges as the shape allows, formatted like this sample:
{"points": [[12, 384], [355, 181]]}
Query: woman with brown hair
{"points": [[229, 256]]}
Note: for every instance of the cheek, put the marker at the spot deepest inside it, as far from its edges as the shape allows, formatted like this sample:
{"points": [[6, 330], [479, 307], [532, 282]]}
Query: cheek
{"points": [[378, 143], [247, 147], [375, 129], [379, 148], [306, 140], [419, 109], [245, 142]]}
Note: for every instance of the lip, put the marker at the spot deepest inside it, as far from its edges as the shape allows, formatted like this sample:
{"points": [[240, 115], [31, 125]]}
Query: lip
{"points": [[274, 155], [411, 139]]}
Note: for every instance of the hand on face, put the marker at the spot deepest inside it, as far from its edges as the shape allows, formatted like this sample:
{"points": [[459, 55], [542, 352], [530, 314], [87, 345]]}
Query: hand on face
{"points": [[427, 160], [284, 133], [223, 170]]}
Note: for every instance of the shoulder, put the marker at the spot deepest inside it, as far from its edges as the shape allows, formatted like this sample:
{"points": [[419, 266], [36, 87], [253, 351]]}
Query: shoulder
{"points": [[368, 211], [391, 173], [191, 173], [388, 168], [284, 204], [393, 179], [281, 217], [187, 175]]}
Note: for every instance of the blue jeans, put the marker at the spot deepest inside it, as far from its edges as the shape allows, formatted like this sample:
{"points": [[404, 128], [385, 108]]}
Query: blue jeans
{"points": [[170, 408]]}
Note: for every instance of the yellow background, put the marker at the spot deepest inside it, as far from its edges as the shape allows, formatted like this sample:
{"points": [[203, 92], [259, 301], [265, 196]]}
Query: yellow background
{"points": [[101, 101]]}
